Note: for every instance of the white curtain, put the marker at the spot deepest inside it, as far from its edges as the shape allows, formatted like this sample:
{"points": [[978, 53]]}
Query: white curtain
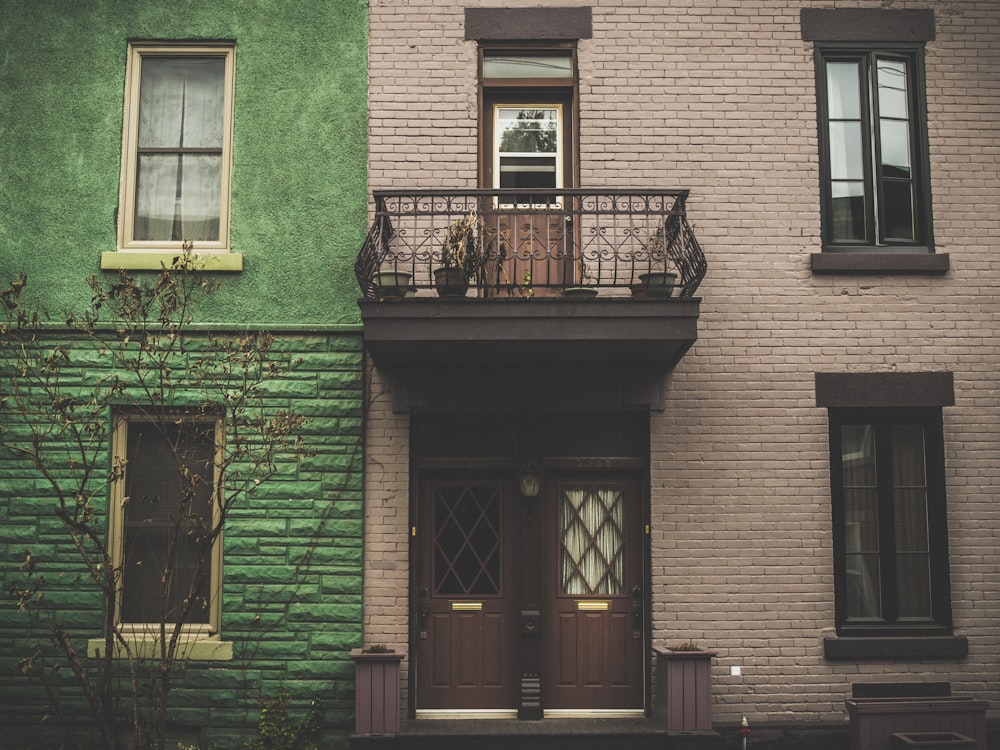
{"points": [[180, 107], [593, 554]]}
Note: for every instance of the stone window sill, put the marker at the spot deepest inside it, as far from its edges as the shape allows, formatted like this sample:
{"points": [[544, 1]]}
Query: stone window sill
{"points": [[155, 261], [193, 648], [895, 648], [880, 263]]}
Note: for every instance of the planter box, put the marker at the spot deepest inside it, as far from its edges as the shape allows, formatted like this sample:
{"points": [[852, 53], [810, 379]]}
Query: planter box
{"points": [[376, 692], [684, 679], [875, 721], [931, 740]]}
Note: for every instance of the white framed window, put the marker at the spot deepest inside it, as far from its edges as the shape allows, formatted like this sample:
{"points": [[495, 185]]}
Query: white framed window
{"points": [[177, 148], [164, 523], [528, 148]]}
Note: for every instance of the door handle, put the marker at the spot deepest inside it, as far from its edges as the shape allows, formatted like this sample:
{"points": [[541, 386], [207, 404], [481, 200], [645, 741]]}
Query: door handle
{"points": [[422, 611], [636, 612]]}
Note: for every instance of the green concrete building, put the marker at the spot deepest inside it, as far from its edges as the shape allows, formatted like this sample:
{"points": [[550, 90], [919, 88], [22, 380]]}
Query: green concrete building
{"points": [[133, 127]]}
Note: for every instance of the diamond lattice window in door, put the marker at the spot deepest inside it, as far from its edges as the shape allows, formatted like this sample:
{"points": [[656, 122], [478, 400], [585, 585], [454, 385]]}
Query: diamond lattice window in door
{"points": [[467, 534], [592, 554]]}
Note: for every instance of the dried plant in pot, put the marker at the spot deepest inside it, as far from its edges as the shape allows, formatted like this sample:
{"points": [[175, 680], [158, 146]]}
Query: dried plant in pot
{"points": [[463, 255]]}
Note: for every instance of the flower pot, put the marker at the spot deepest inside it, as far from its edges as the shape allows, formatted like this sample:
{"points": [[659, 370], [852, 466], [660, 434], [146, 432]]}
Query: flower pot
{"points": [[451, 282], [684, 682], [392, 284], [658, 283], [376, 691], [579, 292]]}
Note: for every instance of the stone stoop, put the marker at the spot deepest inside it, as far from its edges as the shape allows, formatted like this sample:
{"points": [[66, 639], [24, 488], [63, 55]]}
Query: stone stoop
{"points": [[549, 734]]}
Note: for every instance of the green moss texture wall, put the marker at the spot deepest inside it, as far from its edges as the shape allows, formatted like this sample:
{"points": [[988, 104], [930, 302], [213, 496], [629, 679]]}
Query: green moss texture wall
{"points": [[299, 151], [292, 580]]}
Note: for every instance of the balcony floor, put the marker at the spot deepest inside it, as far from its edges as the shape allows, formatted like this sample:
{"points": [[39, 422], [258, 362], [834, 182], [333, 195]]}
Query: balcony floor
{"points": [[432, 331]]}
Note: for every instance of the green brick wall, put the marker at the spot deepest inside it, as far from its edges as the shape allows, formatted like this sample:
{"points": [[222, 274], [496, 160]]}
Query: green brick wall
{"points": [[292, 586]]}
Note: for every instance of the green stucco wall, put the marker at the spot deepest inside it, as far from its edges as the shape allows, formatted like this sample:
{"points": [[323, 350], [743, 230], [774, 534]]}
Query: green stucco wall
{"points": [[299, 151]]}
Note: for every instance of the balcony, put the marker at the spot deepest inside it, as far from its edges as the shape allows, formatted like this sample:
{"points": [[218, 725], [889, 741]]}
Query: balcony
{"points": [[548, 277]]}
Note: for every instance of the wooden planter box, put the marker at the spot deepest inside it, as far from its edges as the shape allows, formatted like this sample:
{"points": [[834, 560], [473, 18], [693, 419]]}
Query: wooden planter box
{"points": [[874, 721], [376, 692], [931, 741], [684, 679]]}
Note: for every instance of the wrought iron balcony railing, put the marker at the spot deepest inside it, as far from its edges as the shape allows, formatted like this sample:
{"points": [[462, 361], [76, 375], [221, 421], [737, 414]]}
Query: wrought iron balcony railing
{"points": [[527, 242]]}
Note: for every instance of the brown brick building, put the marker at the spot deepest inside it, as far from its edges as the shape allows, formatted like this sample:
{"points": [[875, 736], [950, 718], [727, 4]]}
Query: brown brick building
{"points": [[795, 463]]}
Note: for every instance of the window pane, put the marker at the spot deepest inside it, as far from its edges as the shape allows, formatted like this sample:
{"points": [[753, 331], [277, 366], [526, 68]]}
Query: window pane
{"points": [[592, 556], [910, 510], [864, 594], [178, 197], [913, 585], [467, 535], [521, 172], [858, 452], [162, 511], [849, 221], [861, 521], [897, 210], [843, 91], [895, 142], [892, 97], [181, 102], [846, 159], [528, 131], [527, 66], [908, 456]]}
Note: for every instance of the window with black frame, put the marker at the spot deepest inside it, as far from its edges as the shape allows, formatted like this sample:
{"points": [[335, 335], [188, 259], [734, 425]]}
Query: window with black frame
{"points": [[874, 158], [890, 522]]}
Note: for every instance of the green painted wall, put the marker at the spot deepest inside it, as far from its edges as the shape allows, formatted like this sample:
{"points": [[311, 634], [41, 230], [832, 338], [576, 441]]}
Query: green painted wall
{"points": [[299, 152], [292, 573], [299, 213]]}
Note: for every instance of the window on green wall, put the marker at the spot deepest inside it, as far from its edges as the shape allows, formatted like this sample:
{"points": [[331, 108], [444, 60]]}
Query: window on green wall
{"points": [[164, 523], [177, 148]]}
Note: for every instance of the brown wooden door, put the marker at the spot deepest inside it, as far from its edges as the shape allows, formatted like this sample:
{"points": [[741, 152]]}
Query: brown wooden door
{"points": [[592, 594], [527, 141], [466, 600]]}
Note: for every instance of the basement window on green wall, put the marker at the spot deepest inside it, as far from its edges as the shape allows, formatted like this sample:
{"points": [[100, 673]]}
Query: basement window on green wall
{"points": [[164, 527], [176, 155]]}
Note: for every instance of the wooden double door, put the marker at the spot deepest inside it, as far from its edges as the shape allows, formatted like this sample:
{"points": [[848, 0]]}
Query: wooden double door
{"points": [[529, 600]]}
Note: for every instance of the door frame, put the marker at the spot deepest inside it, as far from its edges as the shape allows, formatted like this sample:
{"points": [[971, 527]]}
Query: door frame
{"points": [[513, 465]]}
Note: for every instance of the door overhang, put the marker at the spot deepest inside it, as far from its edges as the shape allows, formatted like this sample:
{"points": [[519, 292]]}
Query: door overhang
{"points": [[429, 332]]}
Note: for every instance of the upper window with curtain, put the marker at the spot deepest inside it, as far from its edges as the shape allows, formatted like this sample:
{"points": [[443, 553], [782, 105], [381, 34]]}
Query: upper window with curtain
{"points": [[177, 147], [874, 159]]}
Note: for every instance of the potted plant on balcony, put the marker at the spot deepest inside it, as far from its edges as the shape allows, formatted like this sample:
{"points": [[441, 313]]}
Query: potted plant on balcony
{"points": [[656, 281], [684, 682], [463, 255], [586, 289], [392, 284]]}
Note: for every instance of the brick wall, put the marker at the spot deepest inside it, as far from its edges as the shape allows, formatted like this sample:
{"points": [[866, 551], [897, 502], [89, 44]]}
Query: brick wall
{"points": [[719, 96], [292, 598]]}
